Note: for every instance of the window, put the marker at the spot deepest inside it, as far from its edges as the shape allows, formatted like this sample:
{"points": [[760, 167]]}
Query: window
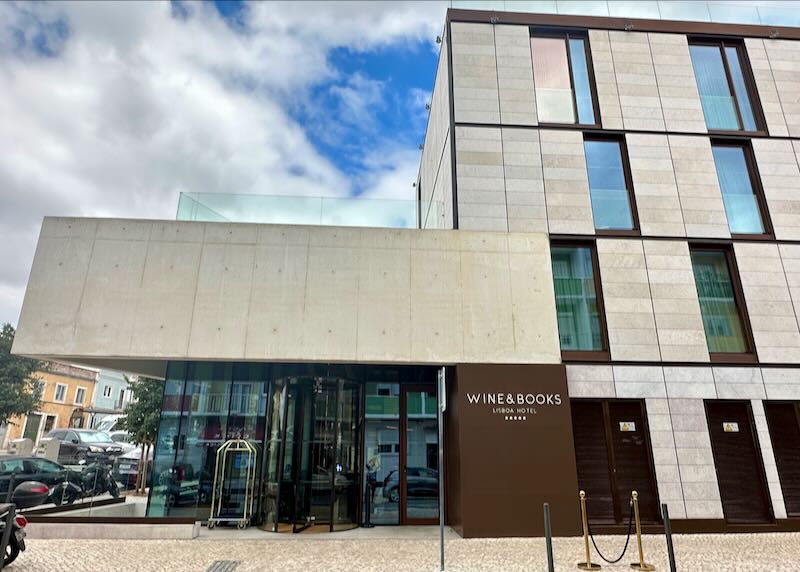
{"points": [[609, 184], [61, 393], [562, 79], [728, 103], [80, 395], [579, 315], [738, 183], [107, 391], [719, 303]]}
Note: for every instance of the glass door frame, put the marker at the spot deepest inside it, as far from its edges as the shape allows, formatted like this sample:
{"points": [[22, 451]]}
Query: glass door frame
{"points": [[405, 389]]}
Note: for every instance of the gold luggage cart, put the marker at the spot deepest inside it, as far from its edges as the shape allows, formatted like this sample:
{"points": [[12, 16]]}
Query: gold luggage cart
{"points": [[225, 454]]}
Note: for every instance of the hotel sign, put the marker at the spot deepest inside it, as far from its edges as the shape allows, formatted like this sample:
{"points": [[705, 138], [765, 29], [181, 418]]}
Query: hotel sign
{"points": [[513, 406]]}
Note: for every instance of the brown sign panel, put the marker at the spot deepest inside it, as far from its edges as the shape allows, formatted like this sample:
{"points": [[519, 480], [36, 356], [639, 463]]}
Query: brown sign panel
{"points": [[513, 431]]}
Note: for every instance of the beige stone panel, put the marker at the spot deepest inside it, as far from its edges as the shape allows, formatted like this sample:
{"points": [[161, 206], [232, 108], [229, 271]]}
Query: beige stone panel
{"points": [[780, 177], [479, 167], [474, 63], [790, 259], [768, 458], [605, 79], [680, 100], [657, 201], [629, 312], [698, 187], [277, 300], [769, 302], [164, 315], [676, 307], [222, 297], [566, 184], [783, 57], [765, 85], [515, 75], [636, 81], [524, 180]]}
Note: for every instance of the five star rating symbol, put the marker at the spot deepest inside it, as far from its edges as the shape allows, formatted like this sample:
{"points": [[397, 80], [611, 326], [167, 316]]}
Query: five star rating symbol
{"points": [[516, 417]]}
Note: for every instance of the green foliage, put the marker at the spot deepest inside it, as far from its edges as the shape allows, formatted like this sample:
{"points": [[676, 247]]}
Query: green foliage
{"points": [[20, 389], [143, 414]]}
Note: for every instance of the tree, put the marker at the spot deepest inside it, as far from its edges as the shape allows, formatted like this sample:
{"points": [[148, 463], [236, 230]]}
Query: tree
{"points": [[141, 419], [20, 389]]}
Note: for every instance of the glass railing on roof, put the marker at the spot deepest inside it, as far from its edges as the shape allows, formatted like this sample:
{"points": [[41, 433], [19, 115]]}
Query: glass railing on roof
{"points": [[758, 13], [285, 209]]}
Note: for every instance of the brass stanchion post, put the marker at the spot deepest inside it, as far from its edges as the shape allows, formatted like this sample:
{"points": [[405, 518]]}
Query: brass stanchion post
{"points": [[587, 564], [641, 565]]}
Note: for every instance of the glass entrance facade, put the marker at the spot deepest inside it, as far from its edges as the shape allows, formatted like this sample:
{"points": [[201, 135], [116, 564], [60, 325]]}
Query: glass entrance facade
{"points": [[326, 435]]}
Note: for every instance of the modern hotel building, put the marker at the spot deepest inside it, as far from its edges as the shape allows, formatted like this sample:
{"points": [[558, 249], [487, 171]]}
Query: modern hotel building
{"points": [[606, 263]]}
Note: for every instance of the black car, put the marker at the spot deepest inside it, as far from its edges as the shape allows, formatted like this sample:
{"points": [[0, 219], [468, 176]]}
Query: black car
{"points": [[83, 445], [420, 482], [29, 469]]}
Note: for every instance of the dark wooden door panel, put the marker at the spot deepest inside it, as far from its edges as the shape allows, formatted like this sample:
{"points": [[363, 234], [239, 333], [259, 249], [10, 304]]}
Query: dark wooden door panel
{"points": [[739, 470], [784, 431], [591, 454], [632, 459]]}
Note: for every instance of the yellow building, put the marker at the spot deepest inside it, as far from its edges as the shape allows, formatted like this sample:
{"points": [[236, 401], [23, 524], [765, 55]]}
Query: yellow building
{"points": [[68, 392]]}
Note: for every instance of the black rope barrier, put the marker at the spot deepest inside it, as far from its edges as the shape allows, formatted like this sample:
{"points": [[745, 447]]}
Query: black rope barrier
{"points": [[627, 539]]}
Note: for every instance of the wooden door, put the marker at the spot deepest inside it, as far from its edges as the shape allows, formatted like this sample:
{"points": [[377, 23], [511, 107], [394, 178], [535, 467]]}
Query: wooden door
{"points": [[784, 431], [592, 458], [613, 457], [633, 460], [740, 473]]}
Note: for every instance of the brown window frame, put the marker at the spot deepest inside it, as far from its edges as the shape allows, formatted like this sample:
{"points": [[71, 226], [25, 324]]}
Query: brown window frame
{"points": [[602, 355], [749, 82], [750, 355], [755, 182], [567, 34], [626, 168]]}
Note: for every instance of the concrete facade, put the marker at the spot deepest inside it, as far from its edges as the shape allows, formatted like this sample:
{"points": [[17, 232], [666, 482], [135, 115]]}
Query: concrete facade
{"points": [[262, 292]]}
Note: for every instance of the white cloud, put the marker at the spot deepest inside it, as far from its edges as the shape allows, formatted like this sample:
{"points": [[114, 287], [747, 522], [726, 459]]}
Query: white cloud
{"points": [[135, 105]]}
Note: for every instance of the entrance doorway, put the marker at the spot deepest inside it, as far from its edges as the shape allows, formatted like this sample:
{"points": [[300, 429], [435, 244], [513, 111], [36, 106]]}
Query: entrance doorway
{"points": [[613, 456], [740, 473], [401, 451], [311, 461]]}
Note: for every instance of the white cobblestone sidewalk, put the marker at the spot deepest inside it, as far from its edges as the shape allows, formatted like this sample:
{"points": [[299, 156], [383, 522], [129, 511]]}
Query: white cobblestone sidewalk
{"points": [[740, 552]]}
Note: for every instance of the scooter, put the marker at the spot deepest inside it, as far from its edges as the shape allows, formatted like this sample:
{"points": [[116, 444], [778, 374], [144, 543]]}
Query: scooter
{"points": [[95, 479], [26, 495]]}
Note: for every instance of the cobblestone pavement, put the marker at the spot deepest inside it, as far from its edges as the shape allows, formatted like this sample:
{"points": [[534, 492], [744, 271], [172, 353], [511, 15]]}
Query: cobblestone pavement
{"points": [[741, 552]]}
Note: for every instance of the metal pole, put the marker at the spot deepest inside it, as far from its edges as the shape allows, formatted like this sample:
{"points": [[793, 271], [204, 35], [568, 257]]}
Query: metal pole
{"points": [[442, 406], [548, 533], [641, 565], [587, 563], [668, 532], [7, 533]]}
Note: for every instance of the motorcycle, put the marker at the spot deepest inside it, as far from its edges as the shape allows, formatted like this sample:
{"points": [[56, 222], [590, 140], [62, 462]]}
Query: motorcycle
{"points": [[95, 479], [26, 495]]}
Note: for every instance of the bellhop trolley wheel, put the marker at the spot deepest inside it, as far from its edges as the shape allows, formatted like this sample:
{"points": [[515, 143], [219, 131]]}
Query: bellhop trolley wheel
{"points": [[241, 525], [211, 524]]}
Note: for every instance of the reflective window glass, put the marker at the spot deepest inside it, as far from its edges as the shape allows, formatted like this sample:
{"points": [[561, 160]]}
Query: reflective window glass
{"points": [[551, 77], [607, 185], [576, 299], [741, 203], [740, 88], [721, 319], [580, 79], [712, 82]]}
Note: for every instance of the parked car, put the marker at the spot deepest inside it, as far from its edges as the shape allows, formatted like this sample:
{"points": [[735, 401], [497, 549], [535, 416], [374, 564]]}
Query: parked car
{"points": [[126, 467], [25, 469], [83, 445], [123, 439], [420, 482]]}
